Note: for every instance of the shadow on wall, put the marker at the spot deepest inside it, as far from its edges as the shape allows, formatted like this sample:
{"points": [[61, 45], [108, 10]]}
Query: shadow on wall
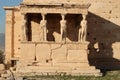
{"points": [[53, 26], [102, 34]]}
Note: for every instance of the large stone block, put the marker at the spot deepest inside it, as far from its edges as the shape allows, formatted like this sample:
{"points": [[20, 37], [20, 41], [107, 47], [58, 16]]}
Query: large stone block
{"points": [[82, 45], [116, 54], [59, 52], [77, 56], [77, 45], [71, 46], [116, 45], [27, 51], [43, 52]]}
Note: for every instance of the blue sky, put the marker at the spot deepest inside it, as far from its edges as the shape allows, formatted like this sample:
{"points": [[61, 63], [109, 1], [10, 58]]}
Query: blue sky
{"points": [[2, 12]]}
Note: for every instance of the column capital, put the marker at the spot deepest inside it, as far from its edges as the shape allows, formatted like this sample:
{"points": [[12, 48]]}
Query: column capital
{"points": [[43, 15], [63, 16], [23, 14], [84, 16]]}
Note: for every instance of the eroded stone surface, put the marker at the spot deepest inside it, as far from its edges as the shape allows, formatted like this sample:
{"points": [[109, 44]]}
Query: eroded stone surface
{"points": [[103, 21]]}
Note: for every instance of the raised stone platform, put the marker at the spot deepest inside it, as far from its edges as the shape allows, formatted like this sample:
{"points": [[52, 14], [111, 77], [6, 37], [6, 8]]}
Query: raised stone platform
{"points": [[61, 69], [56, 59]]}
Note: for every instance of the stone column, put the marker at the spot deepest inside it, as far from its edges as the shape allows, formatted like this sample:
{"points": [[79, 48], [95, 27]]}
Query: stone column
{"points": [[83, 29], [24, 27], [43, 23], [63, 27]]}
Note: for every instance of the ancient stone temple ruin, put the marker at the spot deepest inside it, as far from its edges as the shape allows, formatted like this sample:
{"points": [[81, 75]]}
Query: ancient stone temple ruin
{"points": [[48, 37]]}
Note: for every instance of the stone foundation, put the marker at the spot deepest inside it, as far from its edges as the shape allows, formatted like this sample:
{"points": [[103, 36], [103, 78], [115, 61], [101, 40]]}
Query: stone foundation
{"points": [[56, 58]]}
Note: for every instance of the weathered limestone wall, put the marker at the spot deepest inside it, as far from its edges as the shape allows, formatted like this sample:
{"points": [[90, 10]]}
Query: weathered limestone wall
{"points": [[45, 52], [104, 25], [13, 33], [8, 35], [55, 58], [103, 31], [17, 33]]}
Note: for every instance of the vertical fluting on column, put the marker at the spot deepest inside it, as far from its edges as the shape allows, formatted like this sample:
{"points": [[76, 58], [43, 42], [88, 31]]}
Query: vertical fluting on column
{"points": [[83, 29], [24, 27], [63, 27], [43, 23]]}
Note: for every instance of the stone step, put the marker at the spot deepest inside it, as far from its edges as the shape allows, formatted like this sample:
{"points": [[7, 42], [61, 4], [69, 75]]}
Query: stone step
{"points": [[67, 72], [86, 71], [60, 70], [55, 69], [47, 68], [88, 68], [61, 64], [86, 74], [72, 64], [39, 64], [59, 67]]}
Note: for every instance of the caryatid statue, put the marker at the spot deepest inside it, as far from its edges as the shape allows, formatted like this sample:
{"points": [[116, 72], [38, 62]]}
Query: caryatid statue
{"points": [[83, 29], [24, 27], [63, 27], [43, 29]]}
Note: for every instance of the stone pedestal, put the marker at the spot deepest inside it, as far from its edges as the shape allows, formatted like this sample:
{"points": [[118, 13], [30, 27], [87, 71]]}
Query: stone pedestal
{"points": [[63, 59]]}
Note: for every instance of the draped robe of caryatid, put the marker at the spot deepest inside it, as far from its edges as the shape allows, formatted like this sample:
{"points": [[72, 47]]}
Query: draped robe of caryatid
{"points": [[42, 29]]}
